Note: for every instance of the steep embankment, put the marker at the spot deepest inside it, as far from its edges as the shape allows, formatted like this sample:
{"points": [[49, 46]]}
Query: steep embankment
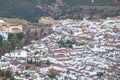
{"points": [[18, 40]]}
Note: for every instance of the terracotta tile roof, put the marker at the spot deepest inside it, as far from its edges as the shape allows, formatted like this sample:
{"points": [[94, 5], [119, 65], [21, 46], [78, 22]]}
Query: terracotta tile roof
{"points": [[58, 56], [44, 66], [23, 65], [64, 59], [61, 66], [15, 62], [53, 71]]}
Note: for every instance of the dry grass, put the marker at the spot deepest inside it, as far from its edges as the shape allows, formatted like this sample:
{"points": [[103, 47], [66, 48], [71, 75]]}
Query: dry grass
{"points": [[1, 78]]}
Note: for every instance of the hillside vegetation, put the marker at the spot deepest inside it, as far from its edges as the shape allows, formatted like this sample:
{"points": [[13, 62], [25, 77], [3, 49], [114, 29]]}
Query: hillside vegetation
{"points": [[76, 9]]}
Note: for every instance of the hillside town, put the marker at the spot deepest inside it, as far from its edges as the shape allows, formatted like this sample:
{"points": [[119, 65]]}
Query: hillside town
{"points": [[75, 50]]}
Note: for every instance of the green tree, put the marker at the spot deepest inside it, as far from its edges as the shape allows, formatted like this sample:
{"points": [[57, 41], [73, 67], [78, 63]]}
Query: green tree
{"points": [[43, 53], [12, 78], [1, 40], [27, 67], [36, 52], [35, 20], [12, 40], [37, 63], [51, 76], [30, 61], [91, 17], [10, 37], [19, 36], [99, 74], [70, 46], [8, 73], [1, 72], [71, 32], [48, 62]]}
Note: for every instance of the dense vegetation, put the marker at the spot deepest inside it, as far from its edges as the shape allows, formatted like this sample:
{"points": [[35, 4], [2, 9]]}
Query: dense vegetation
{"points": [[51, 76], [88, 2], [18, 40], [31, 9], [47, 1], [6, 74], [77, 2], [13, 42], [19, 8]]}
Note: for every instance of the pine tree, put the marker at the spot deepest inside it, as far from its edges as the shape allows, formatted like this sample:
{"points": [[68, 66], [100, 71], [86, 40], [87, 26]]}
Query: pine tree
{"points": [[1, 72], [1, 40], [8, 73], [12, 78], [51, 76], [48, 62]]}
